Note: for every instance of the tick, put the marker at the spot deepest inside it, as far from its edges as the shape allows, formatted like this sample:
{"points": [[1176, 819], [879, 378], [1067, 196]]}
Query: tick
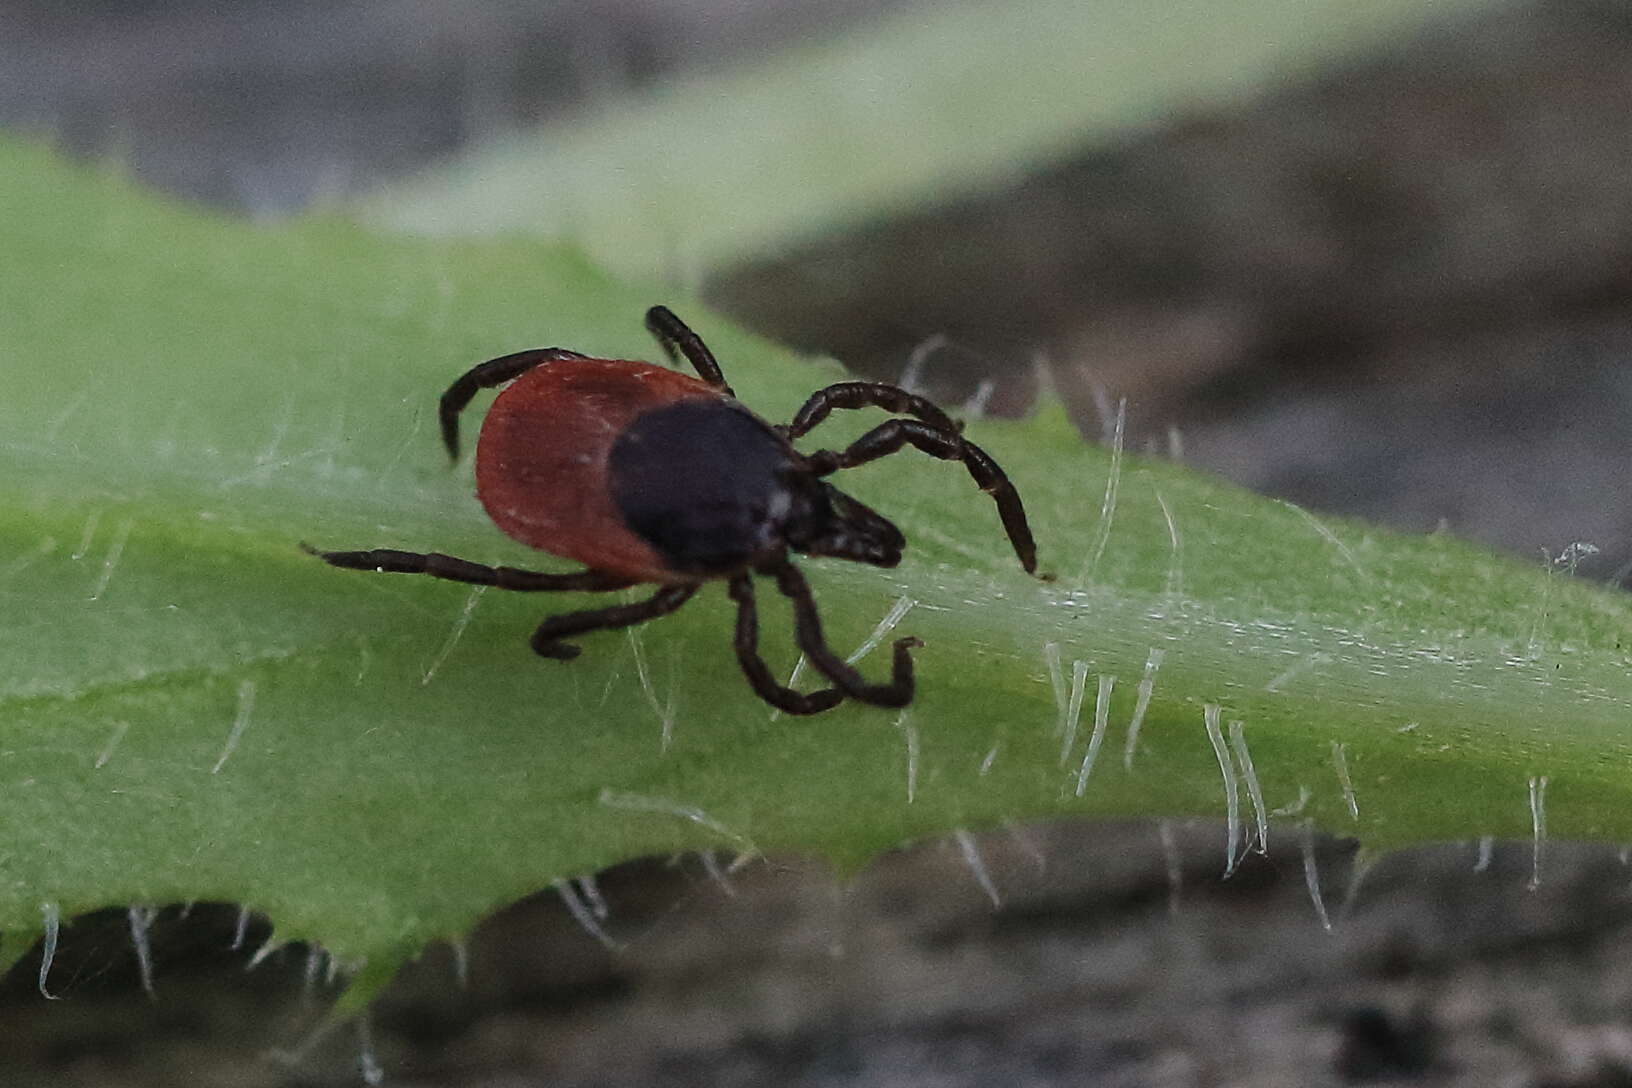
{"points": [[649, 476]]}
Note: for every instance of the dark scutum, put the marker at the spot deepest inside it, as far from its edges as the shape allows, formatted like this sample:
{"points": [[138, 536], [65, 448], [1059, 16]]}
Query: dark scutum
{"points": [[706, 484]]}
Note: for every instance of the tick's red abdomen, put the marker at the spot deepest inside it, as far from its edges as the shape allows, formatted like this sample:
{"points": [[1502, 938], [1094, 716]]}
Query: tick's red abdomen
{"points": [[541, 460]]}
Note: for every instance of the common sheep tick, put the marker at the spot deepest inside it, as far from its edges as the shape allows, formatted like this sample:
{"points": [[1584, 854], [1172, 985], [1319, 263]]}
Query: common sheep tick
{"points": [[646, 475]]}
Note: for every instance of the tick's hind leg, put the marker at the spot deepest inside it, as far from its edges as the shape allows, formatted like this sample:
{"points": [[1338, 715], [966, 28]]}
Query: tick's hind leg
{"points": [[678, 339], [486, 376], [765, 686], [807, 631], [547, 639], [452, 569]]}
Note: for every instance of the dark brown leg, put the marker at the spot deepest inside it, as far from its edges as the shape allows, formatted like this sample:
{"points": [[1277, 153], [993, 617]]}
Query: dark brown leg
{"points": [[764, 685], [438, 565], [678, 339], [807, 631], [868, 395], [486, 376], [547, 639], [889, 437]]}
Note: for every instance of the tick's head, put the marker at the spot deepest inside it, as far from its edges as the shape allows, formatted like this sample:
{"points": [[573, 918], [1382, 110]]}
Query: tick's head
{"points": [[829, 522]]}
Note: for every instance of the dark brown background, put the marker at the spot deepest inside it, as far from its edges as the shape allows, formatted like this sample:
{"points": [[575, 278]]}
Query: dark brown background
{"points": [[1400, 288]]}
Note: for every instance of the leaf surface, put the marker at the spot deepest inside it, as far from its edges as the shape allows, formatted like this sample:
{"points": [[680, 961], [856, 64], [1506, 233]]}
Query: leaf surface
{"points": [[193, 708]]}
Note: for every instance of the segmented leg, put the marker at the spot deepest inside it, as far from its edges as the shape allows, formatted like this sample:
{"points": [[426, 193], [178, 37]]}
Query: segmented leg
{"points": [[868, 395], [547, 639], [753, 666], [890, 436], [453, 569], [678, 339], [486, 376], [807, 632]]}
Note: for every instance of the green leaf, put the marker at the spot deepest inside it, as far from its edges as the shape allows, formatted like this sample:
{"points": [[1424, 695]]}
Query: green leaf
{"points": [[696, 171], [191, 707]]}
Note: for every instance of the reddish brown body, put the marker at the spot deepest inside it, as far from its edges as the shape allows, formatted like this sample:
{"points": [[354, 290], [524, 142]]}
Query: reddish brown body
{"points": [[541, 460]]}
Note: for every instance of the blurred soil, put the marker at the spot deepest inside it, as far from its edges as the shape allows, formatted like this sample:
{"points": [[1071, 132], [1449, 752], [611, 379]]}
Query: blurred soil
{"points": [[1399, 289], [1099, 955]]}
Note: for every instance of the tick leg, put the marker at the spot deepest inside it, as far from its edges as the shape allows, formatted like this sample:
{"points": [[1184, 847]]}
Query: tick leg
{"points": [[486, 376], [868, 395], [678, 339], [890, 436], [547, 639], [807, 631], [438, 565], [747, 643]]}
